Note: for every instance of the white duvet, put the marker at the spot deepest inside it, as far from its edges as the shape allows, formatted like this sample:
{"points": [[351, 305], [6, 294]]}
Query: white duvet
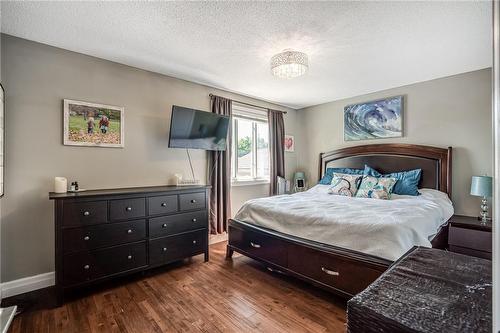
{"points": [[383, 228]]}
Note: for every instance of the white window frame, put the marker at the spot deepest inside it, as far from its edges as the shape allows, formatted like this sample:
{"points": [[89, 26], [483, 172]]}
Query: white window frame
{"points": [[255, 115]]}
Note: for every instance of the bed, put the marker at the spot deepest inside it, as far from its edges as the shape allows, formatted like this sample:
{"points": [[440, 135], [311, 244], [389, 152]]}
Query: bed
{"points": [[295, 235]]}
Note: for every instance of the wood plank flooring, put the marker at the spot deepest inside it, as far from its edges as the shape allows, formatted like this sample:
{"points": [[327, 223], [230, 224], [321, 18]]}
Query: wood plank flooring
{"points": [[237, 295]]}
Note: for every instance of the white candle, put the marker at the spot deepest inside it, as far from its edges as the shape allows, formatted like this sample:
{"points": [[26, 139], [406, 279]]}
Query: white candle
{"points": [[60, 185]]}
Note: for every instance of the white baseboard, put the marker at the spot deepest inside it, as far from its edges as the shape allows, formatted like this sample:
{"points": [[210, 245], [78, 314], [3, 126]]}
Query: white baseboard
{"points": [[27, 284], [214, 239]]}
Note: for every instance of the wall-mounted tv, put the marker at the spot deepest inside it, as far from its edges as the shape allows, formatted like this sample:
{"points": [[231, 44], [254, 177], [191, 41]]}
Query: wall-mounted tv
{"points": [[195, 129]]}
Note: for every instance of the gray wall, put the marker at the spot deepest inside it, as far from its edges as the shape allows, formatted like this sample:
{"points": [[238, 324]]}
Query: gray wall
{"points": [[452, 111], [37, 78]]}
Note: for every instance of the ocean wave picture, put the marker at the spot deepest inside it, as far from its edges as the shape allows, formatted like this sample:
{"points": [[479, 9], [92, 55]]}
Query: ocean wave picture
{"points": [[374, 120]]}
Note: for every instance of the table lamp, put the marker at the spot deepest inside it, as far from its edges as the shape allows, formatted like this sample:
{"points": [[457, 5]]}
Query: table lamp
{"points": [[299, 182], [481, 186]]}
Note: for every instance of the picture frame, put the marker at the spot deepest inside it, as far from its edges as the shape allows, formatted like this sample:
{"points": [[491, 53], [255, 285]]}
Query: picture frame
{"points": [[289, 143], [93, 124], [377, 119], [2, 141]]}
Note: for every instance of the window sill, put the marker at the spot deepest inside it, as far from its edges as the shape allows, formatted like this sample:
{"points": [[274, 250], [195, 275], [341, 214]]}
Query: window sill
{"points": [[237, 183]]}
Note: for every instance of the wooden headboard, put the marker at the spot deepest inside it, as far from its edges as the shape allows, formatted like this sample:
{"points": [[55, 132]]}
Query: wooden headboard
{"points": [[386, 158]]}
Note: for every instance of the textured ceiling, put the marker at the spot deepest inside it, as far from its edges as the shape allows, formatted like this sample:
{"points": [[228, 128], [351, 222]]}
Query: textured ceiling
{"points": [[354, 47]]}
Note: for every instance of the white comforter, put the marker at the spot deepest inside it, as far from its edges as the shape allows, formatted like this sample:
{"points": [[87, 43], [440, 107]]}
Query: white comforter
{"points": [[384, 228]]}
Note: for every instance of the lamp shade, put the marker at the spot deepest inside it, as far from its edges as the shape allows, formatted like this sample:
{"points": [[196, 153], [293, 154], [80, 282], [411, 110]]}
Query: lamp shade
{"points": [[481, 186], [299, 175]]}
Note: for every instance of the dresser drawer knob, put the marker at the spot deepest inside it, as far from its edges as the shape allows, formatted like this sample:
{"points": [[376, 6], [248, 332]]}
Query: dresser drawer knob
{"points": [[194, 220], [252, 244], [129, 231], [129, 257], [86, 213], [86, 238], [330, 272], [164, 249], [164, 204], [86, 267], [193, 201], [128, 209], [164, 225], [194, 242]]}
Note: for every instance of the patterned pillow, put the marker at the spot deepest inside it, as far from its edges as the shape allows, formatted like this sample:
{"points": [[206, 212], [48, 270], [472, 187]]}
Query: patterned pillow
{"points": [[376, 188], [344, 184]]}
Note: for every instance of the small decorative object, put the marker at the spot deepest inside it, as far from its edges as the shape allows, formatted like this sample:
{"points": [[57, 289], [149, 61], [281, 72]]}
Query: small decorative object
{"points": [[289, 143], [74, 187], [481, 186], [91, 124], [374, 120], [289, 64], [60, 185], [299, 181]]}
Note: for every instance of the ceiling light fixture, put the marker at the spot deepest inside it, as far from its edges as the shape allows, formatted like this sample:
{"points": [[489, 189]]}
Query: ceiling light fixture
{"points": [[289, 64]]}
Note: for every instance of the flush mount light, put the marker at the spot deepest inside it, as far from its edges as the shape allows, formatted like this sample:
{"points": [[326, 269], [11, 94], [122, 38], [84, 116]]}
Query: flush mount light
{"points": [[289, 64]]}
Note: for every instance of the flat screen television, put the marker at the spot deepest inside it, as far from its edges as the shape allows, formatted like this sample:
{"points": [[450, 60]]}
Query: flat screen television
{"points": [[195, 129]]}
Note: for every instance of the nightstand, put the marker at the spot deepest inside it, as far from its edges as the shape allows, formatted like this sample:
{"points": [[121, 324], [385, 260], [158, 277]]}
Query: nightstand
{"points": [[468, 236]]}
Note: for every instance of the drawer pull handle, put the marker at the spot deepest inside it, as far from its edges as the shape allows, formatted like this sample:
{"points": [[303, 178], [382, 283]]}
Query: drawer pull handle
{"points": [[129, 231], [194, 242], [86, 213], [193, 201], [164, 249], [257, 246], [128, 209], [194, 220], [86, 238], [330, 272], [164, 204], [164, 225], [86, 267], [129, 257]]}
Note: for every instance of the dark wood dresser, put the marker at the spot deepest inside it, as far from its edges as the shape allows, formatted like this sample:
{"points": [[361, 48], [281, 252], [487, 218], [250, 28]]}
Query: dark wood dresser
{"points": [[102, 234], [467, 235]]}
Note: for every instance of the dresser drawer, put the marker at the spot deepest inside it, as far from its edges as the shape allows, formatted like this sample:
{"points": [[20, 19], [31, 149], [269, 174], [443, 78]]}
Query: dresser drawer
{"points": [[86, 266], [84, 213], [169, 249], [127, 209], [162, 205], [174, 224], [191, 201], [470, 238], [335, 271], [109, 234], [259, 245]]}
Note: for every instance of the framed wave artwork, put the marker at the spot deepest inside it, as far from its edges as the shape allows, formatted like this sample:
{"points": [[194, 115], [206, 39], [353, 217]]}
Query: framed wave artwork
{"points": [[374, 120]]}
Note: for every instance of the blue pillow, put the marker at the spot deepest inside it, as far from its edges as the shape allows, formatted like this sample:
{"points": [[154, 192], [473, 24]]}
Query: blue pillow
{"points": [[327, 178], [407, 183]]}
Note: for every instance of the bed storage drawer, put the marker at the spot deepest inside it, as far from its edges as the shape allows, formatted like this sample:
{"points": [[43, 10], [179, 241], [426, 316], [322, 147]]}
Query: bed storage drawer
{"points": [[337, 272], [261, 246]]}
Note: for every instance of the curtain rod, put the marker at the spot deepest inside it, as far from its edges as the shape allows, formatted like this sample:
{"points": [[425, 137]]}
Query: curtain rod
{"points": [[255, 106]]}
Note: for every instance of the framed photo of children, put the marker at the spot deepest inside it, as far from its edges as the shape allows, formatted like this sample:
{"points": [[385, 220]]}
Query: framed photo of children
{"points": [[94, 125]]}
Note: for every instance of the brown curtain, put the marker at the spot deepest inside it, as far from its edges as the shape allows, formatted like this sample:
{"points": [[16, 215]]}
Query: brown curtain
{"points": [[277, 149], [220, 176]]}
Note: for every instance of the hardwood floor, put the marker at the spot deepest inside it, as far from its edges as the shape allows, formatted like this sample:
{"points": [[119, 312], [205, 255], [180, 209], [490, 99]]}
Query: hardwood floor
{"points": [[238, 295]]}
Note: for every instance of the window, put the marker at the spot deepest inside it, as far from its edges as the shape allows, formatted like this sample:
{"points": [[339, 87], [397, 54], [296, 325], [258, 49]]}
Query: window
{"points": [[250, 145]]}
